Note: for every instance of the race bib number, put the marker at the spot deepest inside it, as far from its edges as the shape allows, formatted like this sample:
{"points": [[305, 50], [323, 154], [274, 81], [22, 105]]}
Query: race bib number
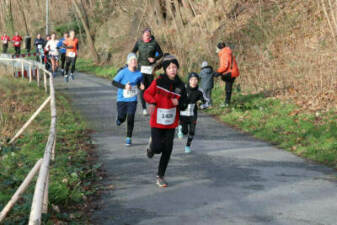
{"points": [[130, 93], [71, 54], [17, 43], [146, 69], [189, 111], [5, 41], [39, 46], [166, 116]]}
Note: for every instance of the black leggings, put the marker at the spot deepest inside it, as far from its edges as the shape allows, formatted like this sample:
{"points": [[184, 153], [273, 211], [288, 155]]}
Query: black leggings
{"points": [[63, 60], [162, 142], [229, 87], [17, 50], [147, 80], [189, 128], [130, 123], [4, 48], [72, 61], [127, 111]]}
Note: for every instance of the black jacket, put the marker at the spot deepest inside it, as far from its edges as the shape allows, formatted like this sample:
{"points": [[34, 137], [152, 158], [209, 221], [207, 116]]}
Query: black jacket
{"points": [[193, 96]]}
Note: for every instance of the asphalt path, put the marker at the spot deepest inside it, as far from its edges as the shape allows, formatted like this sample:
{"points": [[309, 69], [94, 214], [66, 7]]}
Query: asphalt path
{"points": [[229, 178]]}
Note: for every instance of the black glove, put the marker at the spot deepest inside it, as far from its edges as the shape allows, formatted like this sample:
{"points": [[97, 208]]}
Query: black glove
{"points": [[226, 77], [216, 74]]}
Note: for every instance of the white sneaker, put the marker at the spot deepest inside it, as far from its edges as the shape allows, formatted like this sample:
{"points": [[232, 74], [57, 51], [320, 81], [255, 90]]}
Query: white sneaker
{"points": [[145, 112]]}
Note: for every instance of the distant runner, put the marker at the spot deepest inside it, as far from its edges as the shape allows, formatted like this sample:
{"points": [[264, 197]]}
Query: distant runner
{"points": [[149, 52], [53, 53], [5, 39], [17, 39], [62, 51], [71, 44]]}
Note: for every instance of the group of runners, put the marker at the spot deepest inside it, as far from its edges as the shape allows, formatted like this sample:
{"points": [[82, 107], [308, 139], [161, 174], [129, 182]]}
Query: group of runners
{"points": [[167, 99], [50, 51]]}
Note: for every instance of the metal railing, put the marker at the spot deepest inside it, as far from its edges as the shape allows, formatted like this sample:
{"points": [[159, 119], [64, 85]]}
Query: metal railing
{"points": [[40, 199]]}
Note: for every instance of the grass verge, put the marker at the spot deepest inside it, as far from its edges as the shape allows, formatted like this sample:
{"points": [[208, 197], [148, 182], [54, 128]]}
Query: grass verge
{"points": [[312, 136], [88, 66], [72, 173]]}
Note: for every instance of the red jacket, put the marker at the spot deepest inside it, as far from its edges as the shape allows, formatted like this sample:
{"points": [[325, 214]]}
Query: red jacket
{"points": [[5, 39], [228, 63], [160, 93], [17, 40]]}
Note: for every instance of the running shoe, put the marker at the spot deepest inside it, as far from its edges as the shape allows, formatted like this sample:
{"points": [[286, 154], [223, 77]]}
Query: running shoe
{"points": [[145, 112], [66, 78], [128, 141], [149, 152], [118, 123], [180, 132], [187, 149], [72, 76], [161, 182]]}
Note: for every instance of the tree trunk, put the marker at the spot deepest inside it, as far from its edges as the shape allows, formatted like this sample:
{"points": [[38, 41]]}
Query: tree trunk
{"points": [[87, 31], [21, 8]]}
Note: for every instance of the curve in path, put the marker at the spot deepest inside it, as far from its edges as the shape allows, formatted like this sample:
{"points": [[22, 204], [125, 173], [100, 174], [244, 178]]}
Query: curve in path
{"points": [[229, 179]]}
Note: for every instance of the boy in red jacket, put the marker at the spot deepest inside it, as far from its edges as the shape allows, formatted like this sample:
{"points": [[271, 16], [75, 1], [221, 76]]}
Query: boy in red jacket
{"points": [[17, 39], [166, 96], [5, 39]]}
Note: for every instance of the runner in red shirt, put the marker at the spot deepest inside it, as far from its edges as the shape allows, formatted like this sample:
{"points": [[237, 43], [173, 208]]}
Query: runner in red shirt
{"points": [[5, 39], [17, 39]]}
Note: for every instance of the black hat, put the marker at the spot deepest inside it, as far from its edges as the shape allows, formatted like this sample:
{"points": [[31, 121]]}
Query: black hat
{"points": [[168, 59], [221, 45], [193, 74]]}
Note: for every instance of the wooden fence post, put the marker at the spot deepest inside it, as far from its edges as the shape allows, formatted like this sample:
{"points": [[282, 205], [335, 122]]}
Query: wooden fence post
{"points": [[38, 76], [21, 190], [22, 70], [30, 73], [30, 120]]}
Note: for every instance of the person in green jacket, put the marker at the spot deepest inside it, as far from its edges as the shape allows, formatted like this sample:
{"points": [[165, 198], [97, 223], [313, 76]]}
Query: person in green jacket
{"points": [[149, 52]]}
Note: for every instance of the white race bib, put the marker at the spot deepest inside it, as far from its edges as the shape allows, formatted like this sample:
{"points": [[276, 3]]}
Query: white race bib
{"points": [[17, 43], [130, 93], [39, 46], [71, 54], [189, 111], [146, 69], [5, 41], [166, 116]]}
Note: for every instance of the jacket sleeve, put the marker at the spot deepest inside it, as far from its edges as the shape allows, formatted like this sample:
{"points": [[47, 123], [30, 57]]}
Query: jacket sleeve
{"points": [[160, 52], [183, 101], [224, 63], [118, 84], [135, 48], [203, 97], [149, 94]]}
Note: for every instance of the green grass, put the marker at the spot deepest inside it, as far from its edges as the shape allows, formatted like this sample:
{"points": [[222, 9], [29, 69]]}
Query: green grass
{"points": [[310, 136], [72, 173], [88, 66]]}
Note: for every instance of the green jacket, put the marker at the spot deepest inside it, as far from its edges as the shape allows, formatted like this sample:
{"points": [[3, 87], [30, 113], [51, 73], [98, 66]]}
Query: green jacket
{"points": [[147, 50]]}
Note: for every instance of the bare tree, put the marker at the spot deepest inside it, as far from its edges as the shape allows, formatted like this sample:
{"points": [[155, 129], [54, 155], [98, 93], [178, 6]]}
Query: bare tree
{"points": [[90, 41]]}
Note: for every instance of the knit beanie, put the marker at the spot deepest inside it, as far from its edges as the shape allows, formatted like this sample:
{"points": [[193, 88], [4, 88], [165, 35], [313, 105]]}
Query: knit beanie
{"points": [[168, 59], [130, 57], [193, 74], [204, 64]]}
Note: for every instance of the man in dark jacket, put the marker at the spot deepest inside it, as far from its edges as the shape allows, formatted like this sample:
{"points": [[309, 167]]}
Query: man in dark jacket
{"points": [[207, 80], [149, 52]]}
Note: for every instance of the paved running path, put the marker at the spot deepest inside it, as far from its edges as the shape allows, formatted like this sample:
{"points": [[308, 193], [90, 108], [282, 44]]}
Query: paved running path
{"points": [[229, 179]]}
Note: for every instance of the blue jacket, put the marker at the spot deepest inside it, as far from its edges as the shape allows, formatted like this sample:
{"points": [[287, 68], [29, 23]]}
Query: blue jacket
{"points": [[59, 45]]}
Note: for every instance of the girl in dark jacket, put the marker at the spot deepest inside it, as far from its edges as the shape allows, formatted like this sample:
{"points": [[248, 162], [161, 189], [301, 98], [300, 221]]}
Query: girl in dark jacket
{"points": [[166, 97], [188, 118]]}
